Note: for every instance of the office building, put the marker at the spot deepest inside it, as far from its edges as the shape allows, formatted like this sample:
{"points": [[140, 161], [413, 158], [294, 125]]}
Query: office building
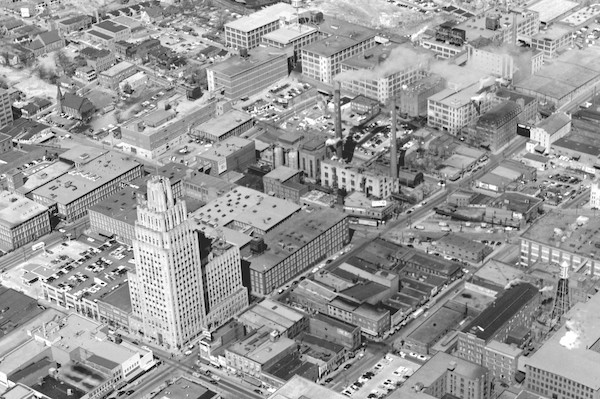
{"points": [[115, 31], [21, 220], [224, 294], [334, 330], [566, 366], [595, 195], [514, 308], [382, 81], [247, 32], [295, 36], [73, 24], [167, 287], [248, 73], [505, 64], [6, 116]]}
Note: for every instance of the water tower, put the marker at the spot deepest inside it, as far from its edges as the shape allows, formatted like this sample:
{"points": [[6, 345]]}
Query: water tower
{"points": [[562, 298]]}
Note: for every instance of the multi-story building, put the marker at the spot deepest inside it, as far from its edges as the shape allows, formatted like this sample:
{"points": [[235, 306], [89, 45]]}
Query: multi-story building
{"points": [[231, 123], [247, 32], [555, 127], [73, 24], [93, 180], [505, 64], [257, 352], [571, 240], [310, 156], [552, 40], [495, 128], [275, 316], [293, 247], [148, 138], [387, 84], [295, 36], [334, 330], [321, 60], [413, 98], [114, 75], [248, 73], [514, 308], [234, 153], [283, 182], [100, 60], [354, 178], [372, 321], [528, 104], [501, 360], [451, 110], [444, 375], [21, 220], [566, 365], [457, 246], [114, 30], [167, 288], [6, 115], [224, 294]]}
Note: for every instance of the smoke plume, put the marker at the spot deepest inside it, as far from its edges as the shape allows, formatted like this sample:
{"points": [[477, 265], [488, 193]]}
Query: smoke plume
{"points": [[547, 288], [572, 338], [399, 59]]}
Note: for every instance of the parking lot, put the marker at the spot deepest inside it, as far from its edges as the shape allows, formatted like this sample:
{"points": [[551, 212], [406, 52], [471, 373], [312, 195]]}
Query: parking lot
{"points": [[385, 377]]}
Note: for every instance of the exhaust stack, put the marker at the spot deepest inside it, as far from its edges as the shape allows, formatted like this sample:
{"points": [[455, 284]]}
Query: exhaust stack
{"points": [[338, 120], [394, 143]]}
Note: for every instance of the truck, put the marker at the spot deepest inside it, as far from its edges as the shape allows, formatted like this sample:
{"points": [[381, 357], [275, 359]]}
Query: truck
{"points": [[443, 224], [446, 228], [417, 313], [420, 227]]}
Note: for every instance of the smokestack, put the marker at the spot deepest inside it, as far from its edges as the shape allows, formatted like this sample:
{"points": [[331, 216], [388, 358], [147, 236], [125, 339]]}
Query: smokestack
{"points": [[393, 148], [338, 119]]}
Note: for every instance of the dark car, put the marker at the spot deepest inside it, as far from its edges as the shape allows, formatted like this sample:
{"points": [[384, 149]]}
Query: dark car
{"points": [[258, 391], [130, 392], [346, 367], [327, 381]]}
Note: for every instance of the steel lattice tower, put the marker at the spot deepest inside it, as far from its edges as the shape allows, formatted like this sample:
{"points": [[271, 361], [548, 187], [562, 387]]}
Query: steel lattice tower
{"points": [[562, 298]]}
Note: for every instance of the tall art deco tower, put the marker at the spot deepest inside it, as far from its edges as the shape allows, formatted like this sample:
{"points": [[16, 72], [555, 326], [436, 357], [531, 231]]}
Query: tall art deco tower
{"points": [[166, 288]]}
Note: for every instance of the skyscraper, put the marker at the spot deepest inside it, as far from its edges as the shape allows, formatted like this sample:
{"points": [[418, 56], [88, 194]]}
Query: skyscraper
{"points": [[6, 115], [166, 289], [184, 283]]}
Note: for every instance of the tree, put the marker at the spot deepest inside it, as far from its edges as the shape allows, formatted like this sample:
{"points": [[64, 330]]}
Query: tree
{"points": [[127, 88], [64, 63]]}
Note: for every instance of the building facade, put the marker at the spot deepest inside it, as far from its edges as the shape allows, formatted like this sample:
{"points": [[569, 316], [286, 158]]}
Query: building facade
{"points": [[113, 76], [350, 178], [21, 221], [167, 289], [6, 115]]}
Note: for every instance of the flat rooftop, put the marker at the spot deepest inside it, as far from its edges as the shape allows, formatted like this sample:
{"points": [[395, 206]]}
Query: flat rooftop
{"points": [[456, 99], [578, 143], [117, 69], [273, 315], [16, 209], [259, 347], [549, 10], [578, 359], [299, 387], [110, 26], [186, 388], [330, 46], [248, 207], [299, 230], [98, 34], [282, 173], [78, 183], [497, 272], [82, 154], [237, 65], [225, 123], [501, 311], [263, 17], [339, 27], [288, 34], [42, 175], [224, 148], [573, 230], [21, 309]]}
